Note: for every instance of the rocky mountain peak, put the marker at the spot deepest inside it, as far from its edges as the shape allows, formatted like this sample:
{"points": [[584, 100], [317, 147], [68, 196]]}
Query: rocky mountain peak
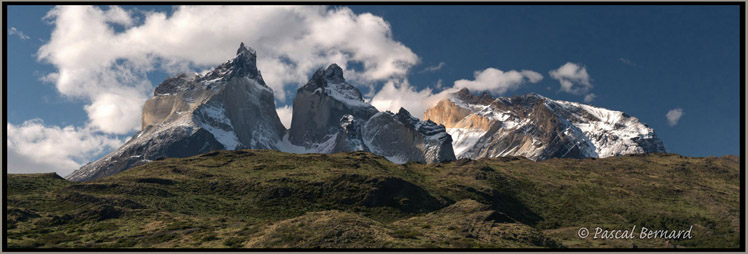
{"points": [[323, 77], [330, 82], [334, 74], [244, 49], [230, 107], [464, 92], [406, 118], [330, 116], [466, 96], [245, 63], [528, 100], [180, 82]]}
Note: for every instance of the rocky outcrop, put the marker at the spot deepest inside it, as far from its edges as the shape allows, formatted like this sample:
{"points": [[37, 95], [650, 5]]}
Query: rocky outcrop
{"points": [[229, 108], [538, 128], [321, 109], [402, 138], [329, 115]]}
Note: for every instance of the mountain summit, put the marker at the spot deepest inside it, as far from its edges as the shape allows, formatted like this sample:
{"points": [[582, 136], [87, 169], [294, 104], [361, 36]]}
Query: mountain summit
{"points": [[319, 107], [230, 107], [538, 128], [329, 116]]}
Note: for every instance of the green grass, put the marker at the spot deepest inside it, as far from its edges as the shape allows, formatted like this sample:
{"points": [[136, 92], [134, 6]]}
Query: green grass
{"points": [[268, 199]]}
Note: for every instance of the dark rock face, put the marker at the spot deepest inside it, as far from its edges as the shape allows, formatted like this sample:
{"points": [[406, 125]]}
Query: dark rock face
{"points": [[539, 128], [229, 107], [403, 138], [245, 64], [321, 103], [181, 82]]}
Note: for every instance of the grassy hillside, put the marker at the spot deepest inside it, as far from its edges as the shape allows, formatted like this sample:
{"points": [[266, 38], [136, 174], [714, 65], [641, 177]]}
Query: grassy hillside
{"points": [[268, 199]]}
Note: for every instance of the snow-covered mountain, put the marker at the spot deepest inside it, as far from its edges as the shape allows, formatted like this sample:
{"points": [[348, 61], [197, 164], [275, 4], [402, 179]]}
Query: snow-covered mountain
{"points": [[538, 128], [229, 107], [329, 115]]}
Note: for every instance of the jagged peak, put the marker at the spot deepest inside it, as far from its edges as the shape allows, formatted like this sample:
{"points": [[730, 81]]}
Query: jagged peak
{"points": [[535, 95], [530, 99], [406, 118], [245, 63], [403, 112], [466, 96], [173, 84], [245, 49], [332, 74], [330, 81], [463, 91]]}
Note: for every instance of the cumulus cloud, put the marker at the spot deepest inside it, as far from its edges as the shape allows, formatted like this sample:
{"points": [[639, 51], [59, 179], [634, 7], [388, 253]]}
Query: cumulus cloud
{"points": [[574, 78], [396, 94], [498, 82], [674, 115], [589, 98], [34, 147], [400, 93], [107, 65], [285, 113], [434, 68], [19, 33], [116, 112]]}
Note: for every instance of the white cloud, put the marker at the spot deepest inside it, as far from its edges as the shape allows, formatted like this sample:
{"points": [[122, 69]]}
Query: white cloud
{"points": [[396, 94], [434, 68], [498, 82], [400, 93], [19, 33], [36, 148], [108, 66], [574, 78], [626, 61], [589, 98], [439, 84], [532, 76], [116, 112], [674, 115], [285, 114]]}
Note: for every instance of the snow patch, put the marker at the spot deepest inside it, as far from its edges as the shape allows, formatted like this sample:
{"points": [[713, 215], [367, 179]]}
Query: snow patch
{"points": [[463, 139], [345, 93], [214, 120]]}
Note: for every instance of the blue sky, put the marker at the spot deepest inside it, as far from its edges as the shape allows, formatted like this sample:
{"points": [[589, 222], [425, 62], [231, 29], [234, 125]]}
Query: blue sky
{"points": [[642, 60]]}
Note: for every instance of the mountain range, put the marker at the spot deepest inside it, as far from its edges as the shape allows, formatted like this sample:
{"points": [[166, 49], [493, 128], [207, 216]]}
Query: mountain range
{"points": [[231, 108], [539, 128]]}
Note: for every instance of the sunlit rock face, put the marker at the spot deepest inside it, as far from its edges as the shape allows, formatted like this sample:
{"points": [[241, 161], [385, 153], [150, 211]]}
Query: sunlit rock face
{"points": [[538, 128]]}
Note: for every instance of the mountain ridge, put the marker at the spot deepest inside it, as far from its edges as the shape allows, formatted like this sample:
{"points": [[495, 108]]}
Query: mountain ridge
{"points": [[538, 128], [230, 107]]}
